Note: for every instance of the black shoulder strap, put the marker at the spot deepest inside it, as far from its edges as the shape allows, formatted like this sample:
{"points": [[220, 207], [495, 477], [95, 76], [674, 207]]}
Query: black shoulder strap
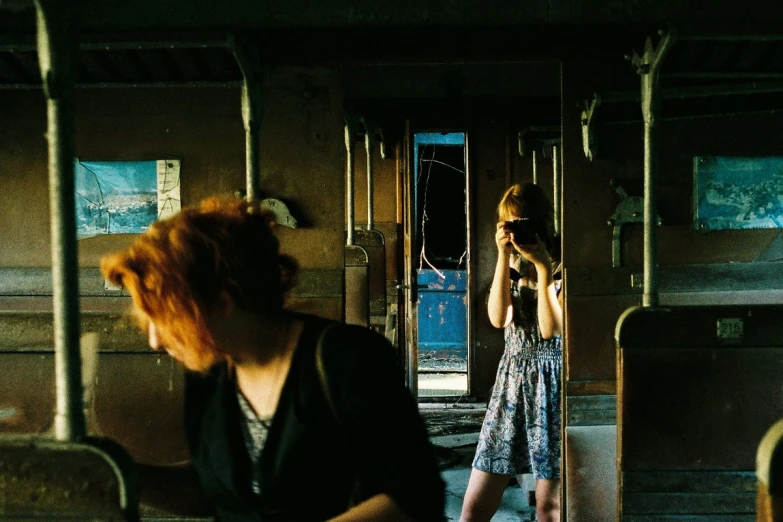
{"points": [[323, 379]]}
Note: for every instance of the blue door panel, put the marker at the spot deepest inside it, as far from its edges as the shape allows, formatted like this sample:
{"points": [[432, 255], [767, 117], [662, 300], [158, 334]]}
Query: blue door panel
{"points": [[442, 311]]}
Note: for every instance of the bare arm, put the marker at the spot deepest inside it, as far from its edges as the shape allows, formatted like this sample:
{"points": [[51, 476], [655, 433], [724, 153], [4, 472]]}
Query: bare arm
{"points": [[377, 410], [380, 508], [550, 309], [499, 303], [174, 489]]}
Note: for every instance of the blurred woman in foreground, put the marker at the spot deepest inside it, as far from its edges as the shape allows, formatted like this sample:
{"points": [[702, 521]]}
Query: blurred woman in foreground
{"points": [[271, 438]]}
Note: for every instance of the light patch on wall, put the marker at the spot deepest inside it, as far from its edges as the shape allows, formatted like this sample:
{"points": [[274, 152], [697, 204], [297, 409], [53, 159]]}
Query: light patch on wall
{"points": [[124, 197]]}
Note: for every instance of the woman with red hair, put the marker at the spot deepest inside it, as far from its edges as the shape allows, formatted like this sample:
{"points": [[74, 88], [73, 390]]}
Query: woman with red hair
{"points": [[208, 286]]}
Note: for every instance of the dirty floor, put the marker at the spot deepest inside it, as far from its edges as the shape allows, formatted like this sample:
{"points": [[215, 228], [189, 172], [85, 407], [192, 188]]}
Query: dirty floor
{"points": [[454, 431]]}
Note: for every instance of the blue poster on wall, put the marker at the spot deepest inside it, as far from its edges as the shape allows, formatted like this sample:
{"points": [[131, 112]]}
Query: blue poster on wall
{"points": [[737, 192], [115, 197]]}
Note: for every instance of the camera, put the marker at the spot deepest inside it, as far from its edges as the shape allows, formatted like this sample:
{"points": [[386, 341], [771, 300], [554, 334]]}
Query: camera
{"points": [[524, 231]]}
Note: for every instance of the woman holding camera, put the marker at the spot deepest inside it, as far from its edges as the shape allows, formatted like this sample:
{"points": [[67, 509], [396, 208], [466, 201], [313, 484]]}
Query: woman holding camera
{"points": [[521, 430]]}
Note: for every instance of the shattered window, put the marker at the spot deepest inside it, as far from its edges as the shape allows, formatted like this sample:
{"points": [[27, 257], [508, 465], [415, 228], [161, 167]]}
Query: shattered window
{"points": [[441, 200]]}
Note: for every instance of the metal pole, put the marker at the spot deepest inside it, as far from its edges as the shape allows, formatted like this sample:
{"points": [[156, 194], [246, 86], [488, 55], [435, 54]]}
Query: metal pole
{"points": [[252, 121], [369, 145], [349, 179], [57, 47], [248, 58], [556, 187], [648, 67], [650, 296], [535, 168]]}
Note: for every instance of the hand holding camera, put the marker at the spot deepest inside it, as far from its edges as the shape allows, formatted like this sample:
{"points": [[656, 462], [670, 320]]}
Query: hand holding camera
{"points": [[523, 231], [526, 240]]}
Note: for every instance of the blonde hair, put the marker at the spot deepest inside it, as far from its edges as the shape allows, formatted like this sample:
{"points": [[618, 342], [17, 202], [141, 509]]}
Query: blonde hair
{"points": [[529, 201]]}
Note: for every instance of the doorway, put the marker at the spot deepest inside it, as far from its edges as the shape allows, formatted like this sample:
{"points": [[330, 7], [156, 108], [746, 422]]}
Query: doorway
{"points": [[440, 261]]}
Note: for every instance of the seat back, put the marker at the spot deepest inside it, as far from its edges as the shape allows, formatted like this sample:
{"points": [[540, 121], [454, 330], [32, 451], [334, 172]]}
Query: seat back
{"points": [[374, 244], [357, 281], [698, 386], [769, 475], [44, 479]]}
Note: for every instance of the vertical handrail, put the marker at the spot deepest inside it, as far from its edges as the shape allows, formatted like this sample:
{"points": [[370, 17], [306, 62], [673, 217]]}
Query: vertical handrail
{"points": [[349, 177], [369, 146], [535, 168], [556, 187], [249, 61], [648, 66], [57, 48]]}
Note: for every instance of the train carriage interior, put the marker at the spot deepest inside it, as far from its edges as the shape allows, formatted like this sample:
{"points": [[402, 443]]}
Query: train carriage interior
{"points": [[382, 135]]}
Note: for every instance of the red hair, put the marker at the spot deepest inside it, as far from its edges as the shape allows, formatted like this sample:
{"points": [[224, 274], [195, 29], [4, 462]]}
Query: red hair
{"points": [[177, 269]]}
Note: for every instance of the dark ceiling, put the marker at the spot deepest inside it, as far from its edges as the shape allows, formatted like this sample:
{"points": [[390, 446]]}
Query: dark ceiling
{"points": [[710, 74], [131, 65]]}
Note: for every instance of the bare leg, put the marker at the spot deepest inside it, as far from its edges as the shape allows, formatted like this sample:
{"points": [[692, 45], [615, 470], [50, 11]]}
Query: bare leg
{"points": [[483, 496], [548, 500]]}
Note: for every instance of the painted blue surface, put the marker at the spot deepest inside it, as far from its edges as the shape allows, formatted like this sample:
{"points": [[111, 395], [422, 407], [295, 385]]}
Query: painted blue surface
{"points": [[442, 311], [433, 138], [115, 197], [736, 192], [439, 138]]}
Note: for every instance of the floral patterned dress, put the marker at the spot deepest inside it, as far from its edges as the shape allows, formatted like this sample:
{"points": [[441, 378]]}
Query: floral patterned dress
{"points": [[521, 430]]}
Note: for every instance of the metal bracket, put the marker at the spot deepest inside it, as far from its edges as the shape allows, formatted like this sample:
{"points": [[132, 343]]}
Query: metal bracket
{"points": [[588, 127], [280, 210], [648, 66], [629, 210]]}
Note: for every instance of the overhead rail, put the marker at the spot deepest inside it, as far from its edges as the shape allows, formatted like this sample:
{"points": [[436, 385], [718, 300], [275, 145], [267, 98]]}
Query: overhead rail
{"points": [[158, 63], [126, 43], [726, 73]]}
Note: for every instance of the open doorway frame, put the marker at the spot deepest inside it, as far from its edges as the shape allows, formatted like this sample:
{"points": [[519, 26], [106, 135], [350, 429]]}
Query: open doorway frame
{"points": [[437, 282]]}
